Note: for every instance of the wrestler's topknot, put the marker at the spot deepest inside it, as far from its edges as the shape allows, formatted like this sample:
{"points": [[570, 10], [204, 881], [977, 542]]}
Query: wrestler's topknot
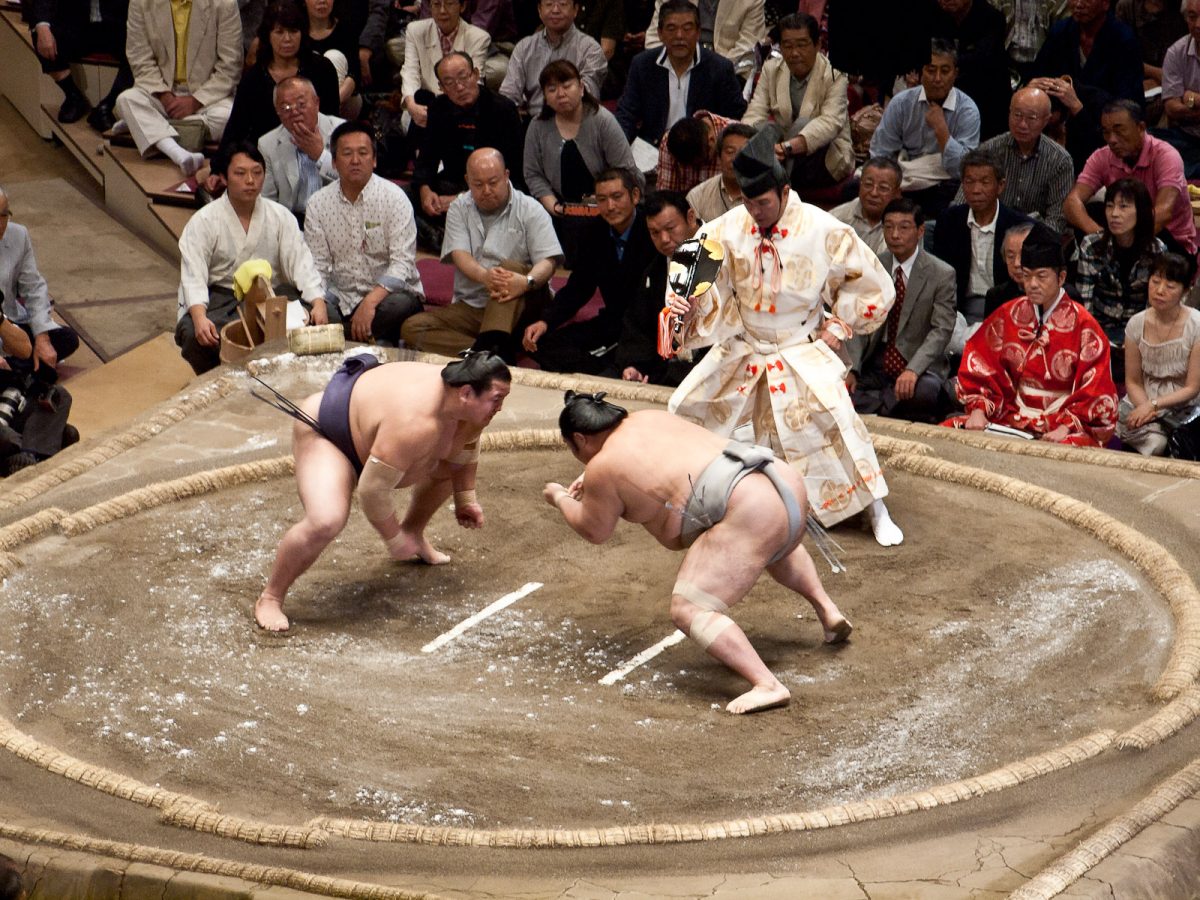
{"points": [[588, 414], [477, 368]]}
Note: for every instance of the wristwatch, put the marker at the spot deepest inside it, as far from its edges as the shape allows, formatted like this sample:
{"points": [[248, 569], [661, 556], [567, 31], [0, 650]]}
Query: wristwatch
{"points": [[530, 282]]}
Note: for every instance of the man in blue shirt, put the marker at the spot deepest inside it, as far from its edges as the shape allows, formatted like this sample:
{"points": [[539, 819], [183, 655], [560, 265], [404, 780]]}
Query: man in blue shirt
{"points": [[929, 129]]}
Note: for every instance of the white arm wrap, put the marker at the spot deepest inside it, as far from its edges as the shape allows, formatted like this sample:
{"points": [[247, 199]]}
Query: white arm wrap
{"points": [[375, 487], [467, 455]]}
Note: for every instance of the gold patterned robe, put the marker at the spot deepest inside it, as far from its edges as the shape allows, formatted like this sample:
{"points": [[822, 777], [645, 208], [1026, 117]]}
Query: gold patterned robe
{"points": [[762, 316]]}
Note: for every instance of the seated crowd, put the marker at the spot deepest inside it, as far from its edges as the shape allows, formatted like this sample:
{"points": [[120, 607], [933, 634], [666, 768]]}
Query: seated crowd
{"points": [[1041, 240]]}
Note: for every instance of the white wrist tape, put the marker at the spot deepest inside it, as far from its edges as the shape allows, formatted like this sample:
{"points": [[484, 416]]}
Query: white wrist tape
{"points": [[464, 498]]}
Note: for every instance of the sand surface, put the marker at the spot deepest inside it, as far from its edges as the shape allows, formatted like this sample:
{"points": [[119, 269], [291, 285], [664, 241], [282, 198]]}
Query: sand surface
{"points": [[992, 634]]}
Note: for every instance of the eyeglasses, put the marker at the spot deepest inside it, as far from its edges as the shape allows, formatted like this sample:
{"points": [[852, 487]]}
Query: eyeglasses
{"points": [[556, 4], [461, 81], [444, 4], [1026, 117], [298, 106]]}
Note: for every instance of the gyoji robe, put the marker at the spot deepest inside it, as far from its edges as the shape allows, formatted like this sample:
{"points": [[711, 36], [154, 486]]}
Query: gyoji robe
{"points": [[1037, 379], [768, 304]]}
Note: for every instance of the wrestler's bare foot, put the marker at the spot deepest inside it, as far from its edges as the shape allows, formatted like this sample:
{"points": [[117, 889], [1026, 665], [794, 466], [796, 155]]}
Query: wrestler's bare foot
{"points": [[268, 613], [838, 632], [887, 532], [406, 546], [759, 698]]}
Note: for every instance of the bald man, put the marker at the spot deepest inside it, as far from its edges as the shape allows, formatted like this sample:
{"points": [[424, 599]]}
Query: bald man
{"points": [[504, 250], [1038, 173]]}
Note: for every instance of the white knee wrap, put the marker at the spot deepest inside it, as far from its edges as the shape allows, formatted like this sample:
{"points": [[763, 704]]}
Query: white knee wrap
{"points": [[698, 597], [707, 627]]}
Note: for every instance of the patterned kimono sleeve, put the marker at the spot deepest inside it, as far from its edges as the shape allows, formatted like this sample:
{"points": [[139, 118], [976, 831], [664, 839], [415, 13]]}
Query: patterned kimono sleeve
{"points": [[983, 380], [1091, 408], [857, 290]]}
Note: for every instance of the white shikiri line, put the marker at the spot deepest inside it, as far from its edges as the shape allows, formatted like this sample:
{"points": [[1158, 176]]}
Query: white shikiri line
{"points": [[507, 600], [645, 656]]}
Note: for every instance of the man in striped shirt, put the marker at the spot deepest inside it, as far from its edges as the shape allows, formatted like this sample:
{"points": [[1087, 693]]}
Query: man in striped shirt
{"points": [[1038, 173]]}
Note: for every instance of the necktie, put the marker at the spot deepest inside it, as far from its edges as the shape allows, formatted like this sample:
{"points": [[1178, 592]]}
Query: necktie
{"points": [[893, 361], [620, 244]]}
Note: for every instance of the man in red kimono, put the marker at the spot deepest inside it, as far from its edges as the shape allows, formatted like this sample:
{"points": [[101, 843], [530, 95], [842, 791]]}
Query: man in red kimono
{"points": [[1039, 363]]}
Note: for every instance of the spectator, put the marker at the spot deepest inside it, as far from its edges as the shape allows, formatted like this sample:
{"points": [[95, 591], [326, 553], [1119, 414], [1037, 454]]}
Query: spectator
{"points": [[1162, 366], [1181, 92], [879, 186], [1027, 22], [1131, 153], [1040, 363], [619, 250], [677, 81], [26, 297], [195, 85], [898, 370], [463, 118], [604, 20], [63, 33], [238, 227], [426, 41], [687, 154], [503, 247], [283, 51], [1014, 286], [571, 141], [296, 152], [559, 39], [929, 129], [1088, 60], [970, 236], [717, 195], [816, 130], [333, 37], [669, 223], [731, 28], [1114, 263], [251, 12], [370, 18], [1038, 173], [1157, 25], [363, 240], [978, 31], [496, 18]]}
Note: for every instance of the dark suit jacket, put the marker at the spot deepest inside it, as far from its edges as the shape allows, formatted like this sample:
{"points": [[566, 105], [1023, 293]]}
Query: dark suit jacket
{"points": [[952, 243], [642, 111], [926, 320], [453, 133], [598, 267]]}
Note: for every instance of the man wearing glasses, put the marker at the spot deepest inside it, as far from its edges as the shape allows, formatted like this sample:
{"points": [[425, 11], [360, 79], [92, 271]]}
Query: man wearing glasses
{"points": [[465, 117], [1038, 173], [426, 41], [558, 39], [296, 151]]}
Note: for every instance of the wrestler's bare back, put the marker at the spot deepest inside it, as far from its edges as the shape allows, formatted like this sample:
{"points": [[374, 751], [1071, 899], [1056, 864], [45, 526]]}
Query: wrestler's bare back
{"points": [[650, 460], [396, 414]]}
